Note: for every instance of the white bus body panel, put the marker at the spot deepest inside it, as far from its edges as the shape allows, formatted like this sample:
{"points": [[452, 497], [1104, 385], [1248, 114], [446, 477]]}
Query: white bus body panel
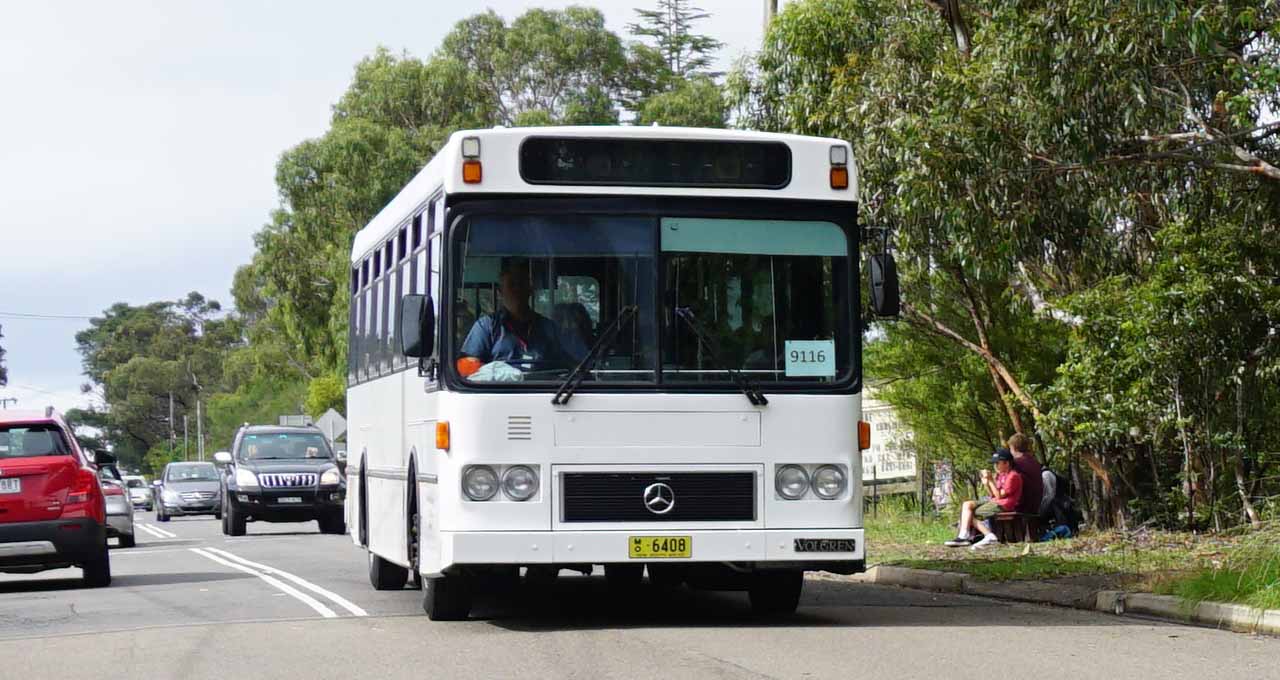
{"points": [[595, 432]]}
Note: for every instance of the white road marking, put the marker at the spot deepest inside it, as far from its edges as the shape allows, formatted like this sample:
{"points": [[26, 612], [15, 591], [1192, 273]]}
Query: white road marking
{"points": [[164, 533], [336, 598], [147, 551], [297, 594], [150, 531]]}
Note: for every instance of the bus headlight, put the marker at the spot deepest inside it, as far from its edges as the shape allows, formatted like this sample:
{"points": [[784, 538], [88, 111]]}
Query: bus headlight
{"points": [[519, 483], [791, 482], [479, 482], [829, 482]]}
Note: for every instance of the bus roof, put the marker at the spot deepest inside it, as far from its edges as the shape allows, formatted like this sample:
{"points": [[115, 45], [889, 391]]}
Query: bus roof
{"points": [[500, 158]]}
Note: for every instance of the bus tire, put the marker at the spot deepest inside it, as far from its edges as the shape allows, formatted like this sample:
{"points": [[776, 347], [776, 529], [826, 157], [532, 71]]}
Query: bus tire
{"points": [[363, 508], [447, 598], [386, 575], [413, 524], [775, 593]]}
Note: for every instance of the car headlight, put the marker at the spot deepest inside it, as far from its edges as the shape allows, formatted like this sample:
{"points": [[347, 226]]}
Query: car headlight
{"points": [[170, 495], [829, 482], [520, 483], [245, 478], [330, 477], [791, 482], [479, 482]]}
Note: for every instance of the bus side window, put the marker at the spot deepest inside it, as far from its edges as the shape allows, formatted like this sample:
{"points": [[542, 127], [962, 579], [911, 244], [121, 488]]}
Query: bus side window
{"points": [[384, 334]]}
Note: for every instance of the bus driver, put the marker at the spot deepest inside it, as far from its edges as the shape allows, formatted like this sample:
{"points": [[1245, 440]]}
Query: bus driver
{"points": [[515, 334]]}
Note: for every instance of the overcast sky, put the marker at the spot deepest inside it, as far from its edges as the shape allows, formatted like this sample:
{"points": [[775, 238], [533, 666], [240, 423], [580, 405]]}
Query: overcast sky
{"points": [[138, 143]]}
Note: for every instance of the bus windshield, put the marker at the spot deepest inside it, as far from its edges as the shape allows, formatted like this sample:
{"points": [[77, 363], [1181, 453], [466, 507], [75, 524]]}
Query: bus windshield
{"points": [[768, 298]]}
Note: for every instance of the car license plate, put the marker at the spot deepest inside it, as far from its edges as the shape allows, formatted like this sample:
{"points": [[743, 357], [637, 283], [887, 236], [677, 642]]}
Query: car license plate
{"points": [[660, 547], [289, 499], [11, 485]]}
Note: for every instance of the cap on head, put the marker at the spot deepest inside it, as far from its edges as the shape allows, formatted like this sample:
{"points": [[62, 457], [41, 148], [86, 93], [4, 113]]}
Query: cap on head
{"points": [[1002, 454]]}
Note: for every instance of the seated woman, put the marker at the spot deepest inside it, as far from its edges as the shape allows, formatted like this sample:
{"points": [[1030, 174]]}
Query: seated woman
{"points": [[1005, 490]]}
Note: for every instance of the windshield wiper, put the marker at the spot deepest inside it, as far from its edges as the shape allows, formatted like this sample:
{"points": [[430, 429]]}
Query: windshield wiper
{"points": [[704, 338], [603, 344]]}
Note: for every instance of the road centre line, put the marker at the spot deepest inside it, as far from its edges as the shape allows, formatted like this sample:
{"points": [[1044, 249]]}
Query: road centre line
{"points": [[336, 598], [297, 594]]}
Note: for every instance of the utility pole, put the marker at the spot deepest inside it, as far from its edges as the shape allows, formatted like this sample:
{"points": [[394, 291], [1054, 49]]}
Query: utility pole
{"points": [[173, 436], [770, 11], [199, 432], [186, 446]]}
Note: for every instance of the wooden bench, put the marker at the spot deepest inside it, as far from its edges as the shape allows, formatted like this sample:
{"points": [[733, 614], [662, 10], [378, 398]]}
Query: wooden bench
{"points": [[1018, 527]]}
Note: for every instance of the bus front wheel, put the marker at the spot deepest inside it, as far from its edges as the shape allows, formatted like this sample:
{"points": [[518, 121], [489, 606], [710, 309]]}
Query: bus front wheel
{"points": [[775, 592], [385, 575], [447, 598]]}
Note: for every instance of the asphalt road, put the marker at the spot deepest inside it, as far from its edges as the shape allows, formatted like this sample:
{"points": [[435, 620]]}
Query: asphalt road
{"points": [[286, 602]]}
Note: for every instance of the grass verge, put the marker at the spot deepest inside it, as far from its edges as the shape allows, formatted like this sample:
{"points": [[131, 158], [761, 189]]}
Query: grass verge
{"points": [[1249, 575], [1190, 565]]}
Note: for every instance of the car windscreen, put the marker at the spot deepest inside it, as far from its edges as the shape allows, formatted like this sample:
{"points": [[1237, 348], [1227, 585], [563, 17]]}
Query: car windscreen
{"points": [[193, 472], [135, 484], [284, 446], [26, 441]]}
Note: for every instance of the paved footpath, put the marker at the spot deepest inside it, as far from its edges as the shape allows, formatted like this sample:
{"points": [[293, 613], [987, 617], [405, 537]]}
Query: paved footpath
{"points": [[286, 602]]}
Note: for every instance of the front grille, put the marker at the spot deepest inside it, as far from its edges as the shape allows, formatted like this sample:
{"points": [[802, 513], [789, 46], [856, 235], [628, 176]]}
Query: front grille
{"points": [[279, 480], [620, 497], [197, 496]]}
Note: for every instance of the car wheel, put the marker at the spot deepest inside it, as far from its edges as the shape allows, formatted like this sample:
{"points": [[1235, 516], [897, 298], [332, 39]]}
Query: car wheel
{"points": [[384, 575], [775, 592], [332, 524], [128, 540], [226, 524], [160, 516], [235, 521], [447, 598], [97, 569]]}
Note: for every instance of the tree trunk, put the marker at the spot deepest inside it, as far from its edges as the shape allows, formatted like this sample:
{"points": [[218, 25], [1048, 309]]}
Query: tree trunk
{"points": [[1241, 475]]}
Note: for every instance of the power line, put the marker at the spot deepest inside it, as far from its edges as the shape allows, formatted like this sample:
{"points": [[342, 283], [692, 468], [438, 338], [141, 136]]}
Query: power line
{"points": [[44, 317]]}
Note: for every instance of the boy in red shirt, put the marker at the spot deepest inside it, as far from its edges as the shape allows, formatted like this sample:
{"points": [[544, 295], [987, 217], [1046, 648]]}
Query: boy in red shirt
{"points": [[1005, 490]]}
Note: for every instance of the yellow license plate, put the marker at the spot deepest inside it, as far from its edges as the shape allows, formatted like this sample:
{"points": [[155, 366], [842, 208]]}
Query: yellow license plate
{"points": [[660, 547]]}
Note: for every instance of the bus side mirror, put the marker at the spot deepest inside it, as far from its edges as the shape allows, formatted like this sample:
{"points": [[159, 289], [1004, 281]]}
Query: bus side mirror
{"points": [[885, 301], [417, 326]]}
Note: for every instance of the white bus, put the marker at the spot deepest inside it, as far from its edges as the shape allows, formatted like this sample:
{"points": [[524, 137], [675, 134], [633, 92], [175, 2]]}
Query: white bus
{"points": [[611, 346]]}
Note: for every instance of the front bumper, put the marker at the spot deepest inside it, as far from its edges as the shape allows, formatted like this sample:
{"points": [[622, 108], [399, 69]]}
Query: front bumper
{"points": [[50, 545], [268, 504], [200, 508], [763, 548], [120, 525]]}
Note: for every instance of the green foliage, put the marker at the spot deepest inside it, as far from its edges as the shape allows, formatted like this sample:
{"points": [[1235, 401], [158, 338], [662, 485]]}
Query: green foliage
{"points": [[1249, 575], [142, 357], [326, 392], [1044, 175], [698, 102], [670, 27]]}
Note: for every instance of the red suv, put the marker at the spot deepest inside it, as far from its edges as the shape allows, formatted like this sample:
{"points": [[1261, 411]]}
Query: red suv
{"points": [[52, 511]]}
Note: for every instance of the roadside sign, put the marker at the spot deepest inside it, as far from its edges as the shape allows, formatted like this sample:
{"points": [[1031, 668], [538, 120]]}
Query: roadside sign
{"points": [[332, 424], [295, 421]]}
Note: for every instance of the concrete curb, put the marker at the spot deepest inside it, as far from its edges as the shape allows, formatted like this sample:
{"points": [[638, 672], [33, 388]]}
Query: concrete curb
{"points": [[1235, 617]]}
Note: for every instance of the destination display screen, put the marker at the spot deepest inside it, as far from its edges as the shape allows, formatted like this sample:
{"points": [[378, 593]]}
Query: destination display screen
{"points": [[655, 163]]}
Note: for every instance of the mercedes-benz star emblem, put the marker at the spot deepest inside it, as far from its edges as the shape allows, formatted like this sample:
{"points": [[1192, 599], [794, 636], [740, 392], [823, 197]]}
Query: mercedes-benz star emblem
{"points": [[659, 498]]}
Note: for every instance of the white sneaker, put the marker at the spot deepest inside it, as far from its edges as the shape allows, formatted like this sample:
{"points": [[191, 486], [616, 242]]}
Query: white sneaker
{"points": [[988, 540]]}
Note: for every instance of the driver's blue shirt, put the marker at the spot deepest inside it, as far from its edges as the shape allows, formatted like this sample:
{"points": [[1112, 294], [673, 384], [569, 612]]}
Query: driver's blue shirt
{"points": [[531, 345]]}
